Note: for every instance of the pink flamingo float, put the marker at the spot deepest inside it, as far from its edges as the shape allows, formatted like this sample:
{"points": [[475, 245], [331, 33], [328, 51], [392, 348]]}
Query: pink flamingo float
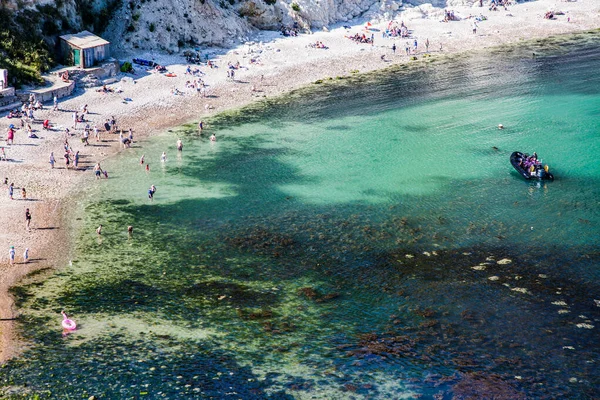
{"points": [[67, 323]]}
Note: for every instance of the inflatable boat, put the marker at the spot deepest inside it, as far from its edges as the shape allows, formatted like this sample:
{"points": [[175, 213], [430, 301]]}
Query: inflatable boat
{"points": [[529, 167]]}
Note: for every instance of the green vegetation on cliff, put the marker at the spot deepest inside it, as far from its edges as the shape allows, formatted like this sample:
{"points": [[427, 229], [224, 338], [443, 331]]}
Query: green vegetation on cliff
{"points": [[28, 36], [22, 50]]}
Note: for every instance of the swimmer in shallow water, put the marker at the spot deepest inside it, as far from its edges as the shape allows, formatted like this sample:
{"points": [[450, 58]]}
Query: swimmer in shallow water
{"points": [[213, 138]]}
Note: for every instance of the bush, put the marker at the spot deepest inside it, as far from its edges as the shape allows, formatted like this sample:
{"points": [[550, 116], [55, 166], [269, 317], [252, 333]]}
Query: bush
{"points": [[295, 7], [126, 67], [270, 2], [151, 28]]}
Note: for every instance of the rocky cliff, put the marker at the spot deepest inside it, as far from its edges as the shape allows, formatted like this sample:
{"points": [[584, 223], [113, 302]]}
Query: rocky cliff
{"points": [[172, 24]]}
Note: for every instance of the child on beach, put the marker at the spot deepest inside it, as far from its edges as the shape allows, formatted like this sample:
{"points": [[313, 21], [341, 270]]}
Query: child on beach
{"points": [[11, 189], [23, 193], [52, 160], [26, 255]]}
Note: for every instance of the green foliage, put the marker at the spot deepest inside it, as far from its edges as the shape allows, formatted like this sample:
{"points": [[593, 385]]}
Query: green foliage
{"points": [[295, 7], [135, 17], [180, 43], [131, 28], [152, 27], [126, 67], [96, 19], [23, 51], [270, 2]]}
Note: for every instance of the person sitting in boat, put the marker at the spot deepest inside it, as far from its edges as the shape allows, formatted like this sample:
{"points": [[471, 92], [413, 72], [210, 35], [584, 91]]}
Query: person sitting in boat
{"points": [[532, 170]]}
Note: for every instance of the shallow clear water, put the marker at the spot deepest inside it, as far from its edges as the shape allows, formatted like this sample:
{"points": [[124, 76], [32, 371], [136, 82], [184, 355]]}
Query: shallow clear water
{"points": [[364, 237]]}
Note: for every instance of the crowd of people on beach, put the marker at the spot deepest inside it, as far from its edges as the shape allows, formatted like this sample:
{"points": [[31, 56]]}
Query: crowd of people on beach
{"points": [[394, 30]]}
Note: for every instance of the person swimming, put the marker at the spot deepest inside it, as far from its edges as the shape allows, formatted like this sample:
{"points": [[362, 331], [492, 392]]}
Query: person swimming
{"points": [[151, 192]]}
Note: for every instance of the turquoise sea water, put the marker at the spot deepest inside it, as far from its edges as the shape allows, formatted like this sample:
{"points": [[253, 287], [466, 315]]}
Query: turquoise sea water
{"points": [[362, 238]]}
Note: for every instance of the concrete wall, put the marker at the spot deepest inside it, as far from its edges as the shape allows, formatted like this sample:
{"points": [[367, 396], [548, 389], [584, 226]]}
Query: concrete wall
{"points": [[8, 92], [47, 94]]}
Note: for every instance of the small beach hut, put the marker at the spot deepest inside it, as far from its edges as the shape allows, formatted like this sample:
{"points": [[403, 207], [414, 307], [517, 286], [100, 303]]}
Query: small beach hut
{"points": [[84, 49]]}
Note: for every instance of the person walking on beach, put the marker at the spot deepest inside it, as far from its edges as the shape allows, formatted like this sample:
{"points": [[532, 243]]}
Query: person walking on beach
{"points": [[23, 193], [27, 219], [427, 45], [11, 255], [76, 159], [97, 170], [55, 100], [75, 117], [52, 160], [394, 48], [179, 145], [11, 189], [415, 46], [474, 23], [96, 133], [26, 255], [3, 154], [67, 160]]}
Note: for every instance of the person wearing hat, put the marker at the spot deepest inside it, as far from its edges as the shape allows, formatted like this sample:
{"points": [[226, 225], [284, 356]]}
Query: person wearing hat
{"points": [[11, 255]]}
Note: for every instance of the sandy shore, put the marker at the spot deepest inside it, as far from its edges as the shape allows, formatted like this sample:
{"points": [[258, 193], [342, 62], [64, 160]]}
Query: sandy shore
{"points": [[283, 64]]}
